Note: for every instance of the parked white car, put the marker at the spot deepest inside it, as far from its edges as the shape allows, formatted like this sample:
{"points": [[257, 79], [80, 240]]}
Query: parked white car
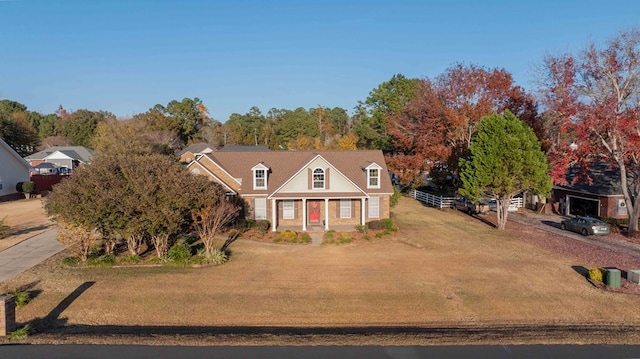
{"points": [[493, 206]]}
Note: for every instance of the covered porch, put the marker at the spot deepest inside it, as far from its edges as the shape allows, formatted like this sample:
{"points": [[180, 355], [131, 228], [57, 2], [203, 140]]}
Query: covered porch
{"points": [[318, 213]]}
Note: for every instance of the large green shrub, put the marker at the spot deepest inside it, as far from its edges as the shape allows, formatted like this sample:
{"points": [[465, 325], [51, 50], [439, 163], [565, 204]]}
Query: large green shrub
{"points": [[179, 252], [29, 187]]}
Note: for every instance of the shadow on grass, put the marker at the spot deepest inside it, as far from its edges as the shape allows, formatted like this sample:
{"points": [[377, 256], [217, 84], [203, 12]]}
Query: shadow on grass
{"points": [[450, 332], [482, 219], [53, 320], [30, 229], [581, 270]]}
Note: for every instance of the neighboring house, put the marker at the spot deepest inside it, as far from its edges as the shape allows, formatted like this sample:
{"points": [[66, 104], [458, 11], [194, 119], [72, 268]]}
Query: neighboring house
{"points": [[59, 159], [600, 198], [13, 169], [303, 190], [190, 152]]}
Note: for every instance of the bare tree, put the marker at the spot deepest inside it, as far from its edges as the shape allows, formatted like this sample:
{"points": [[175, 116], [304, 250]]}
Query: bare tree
{"points": [[210, 220]]}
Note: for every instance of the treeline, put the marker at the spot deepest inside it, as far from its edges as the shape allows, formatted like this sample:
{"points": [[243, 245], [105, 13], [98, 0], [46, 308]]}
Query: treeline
{"points": [[420, 124]]}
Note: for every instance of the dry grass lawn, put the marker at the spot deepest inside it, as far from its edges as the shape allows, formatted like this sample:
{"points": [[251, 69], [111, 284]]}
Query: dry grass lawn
{"points": [[26, 218], [443, 268]]}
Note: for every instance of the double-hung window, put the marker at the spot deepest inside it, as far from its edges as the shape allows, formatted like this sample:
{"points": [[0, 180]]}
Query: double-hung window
{"points": [[288, 209], [318, 178], [374, 178], [260, 209], [345, 208], [374, 207], [259, 179]]}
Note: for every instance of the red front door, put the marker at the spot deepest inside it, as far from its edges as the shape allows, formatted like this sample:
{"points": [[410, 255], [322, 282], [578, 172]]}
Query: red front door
{"points": [[314, 211]]}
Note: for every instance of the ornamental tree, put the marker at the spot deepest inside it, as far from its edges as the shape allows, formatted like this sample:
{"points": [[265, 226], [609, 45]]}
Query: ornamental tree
{"points": [[594, 99], [505, 159]]}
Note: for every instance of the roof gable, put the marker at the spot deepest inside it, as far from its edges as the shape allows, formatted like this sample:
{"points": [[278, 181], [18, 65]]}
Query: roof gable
{"points": [[80, 153], [12, 153], [335, 181]]}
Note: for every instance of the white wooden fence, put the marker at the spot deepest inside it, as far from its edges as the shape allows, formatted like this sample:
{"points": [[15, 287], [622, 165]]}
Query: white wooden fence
{"points": [[432, 199], [447, 202]]}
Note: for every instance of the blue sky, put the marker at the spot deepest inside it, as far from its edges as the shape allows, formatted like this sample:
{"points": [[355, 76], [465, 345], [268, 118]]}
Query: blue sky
{"points": [[125, 56]]}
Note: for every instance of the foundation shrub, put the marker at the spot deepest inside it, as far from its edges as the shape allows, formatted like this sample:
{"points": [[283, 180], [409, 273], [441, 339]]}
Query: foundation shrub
{"points": [[377, 225], [596, 274], [262, 226], [179, 252]]}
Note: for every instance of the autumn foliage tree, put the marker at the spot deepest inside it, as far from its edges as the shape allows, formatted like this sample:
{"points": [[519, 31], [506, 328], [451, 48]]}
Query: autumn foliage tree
{"points": [[594, 98], [434, 129]]}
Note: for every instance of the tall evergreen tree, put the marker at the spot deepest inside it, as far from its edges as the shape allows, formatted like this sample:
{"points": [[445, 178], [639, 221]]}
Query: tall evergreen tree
{"points": [[505, 159]]}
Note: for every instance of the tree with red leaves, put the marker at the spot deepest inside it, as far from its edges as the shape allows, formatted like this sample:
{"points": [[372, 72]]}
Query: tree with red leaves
{"points": [[434, 129], [594, 99]]}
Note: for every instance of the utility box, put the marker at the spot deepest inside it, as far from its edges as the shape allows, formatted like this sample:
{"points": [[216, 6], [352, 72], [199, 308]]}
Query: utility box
{"points": [[7, 315], [634, 276], [612, 278]]}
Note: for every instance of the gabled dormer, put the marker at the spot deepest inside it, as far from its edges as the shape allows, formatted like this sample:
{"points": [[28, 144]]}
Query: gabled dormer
{"points": [[260, 176], [373, 173]]}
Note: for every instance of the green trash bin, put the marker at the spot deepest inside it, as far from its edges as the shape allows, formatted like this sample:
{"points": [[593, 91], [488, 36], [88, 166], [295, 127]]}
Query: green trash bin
{"points": [[612, 278]]}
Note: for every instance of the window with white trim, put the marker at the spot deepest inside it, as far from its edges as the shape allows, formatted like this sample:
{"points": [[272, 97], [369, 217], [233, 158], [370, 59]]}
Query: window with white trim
{"points": [[374, 207], [345, 208], [373, 175], [260, 209], [318, 178], [259, 179], [288, 209]]}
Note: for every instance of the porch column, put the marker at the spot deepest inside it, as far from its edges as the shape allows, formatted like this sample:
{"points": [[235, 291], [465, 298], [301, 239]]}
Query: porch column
{"points": [[274, 215], [362, 219], [326, 214], [304, 214]]}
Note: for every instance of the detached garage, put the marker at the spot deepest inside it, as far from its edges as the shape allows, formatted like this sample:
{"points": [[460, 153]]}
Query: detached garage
{"points": [[602, 198]]}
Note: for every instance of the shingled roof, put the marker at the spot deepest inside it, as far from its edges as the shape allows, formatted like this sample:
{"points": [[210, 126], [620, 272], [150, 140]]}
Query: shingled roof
{"points": [[605, 181], [285, 164], [80, 153]]}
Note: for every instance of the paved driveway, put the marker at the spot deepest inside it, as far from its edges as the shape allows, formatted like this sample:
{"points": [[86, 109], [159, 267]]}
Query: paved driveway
{"points": [[551, 223], [28, 253]]}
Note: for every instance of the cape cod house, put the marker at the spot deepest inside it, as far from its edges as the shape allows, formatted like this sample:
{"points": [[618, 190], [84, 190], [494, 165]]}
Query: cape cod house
{"points": [[303, 190]]}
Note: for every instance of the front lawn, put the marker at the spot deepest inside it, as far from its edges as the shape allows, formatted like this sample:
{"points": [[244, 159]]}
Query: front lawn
{"points": [[442, 268]]}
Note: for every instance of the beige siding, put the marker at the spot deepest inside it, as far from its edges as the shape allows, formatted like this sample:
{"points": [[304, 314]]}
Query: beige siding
{"points": [[337, 182]]}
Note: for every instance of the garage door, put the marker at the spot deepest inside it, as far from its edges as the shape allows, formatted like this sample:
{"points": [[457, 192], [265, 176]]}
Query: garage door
{"points": [[580, 206]]}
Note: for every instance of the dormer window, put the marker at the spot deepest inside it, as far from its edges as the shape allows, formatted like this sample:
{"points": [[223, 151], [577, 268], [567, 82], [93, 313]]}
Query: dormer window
{"points": [[373, 175], [318, 178], [260, 179], [374, 178], [260, 176]]}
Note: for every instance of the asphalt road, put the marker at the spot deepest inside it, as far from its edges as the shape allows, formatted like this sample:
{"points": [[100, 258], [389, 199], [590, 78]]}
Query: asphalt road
{"points": [[313, 352]]}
